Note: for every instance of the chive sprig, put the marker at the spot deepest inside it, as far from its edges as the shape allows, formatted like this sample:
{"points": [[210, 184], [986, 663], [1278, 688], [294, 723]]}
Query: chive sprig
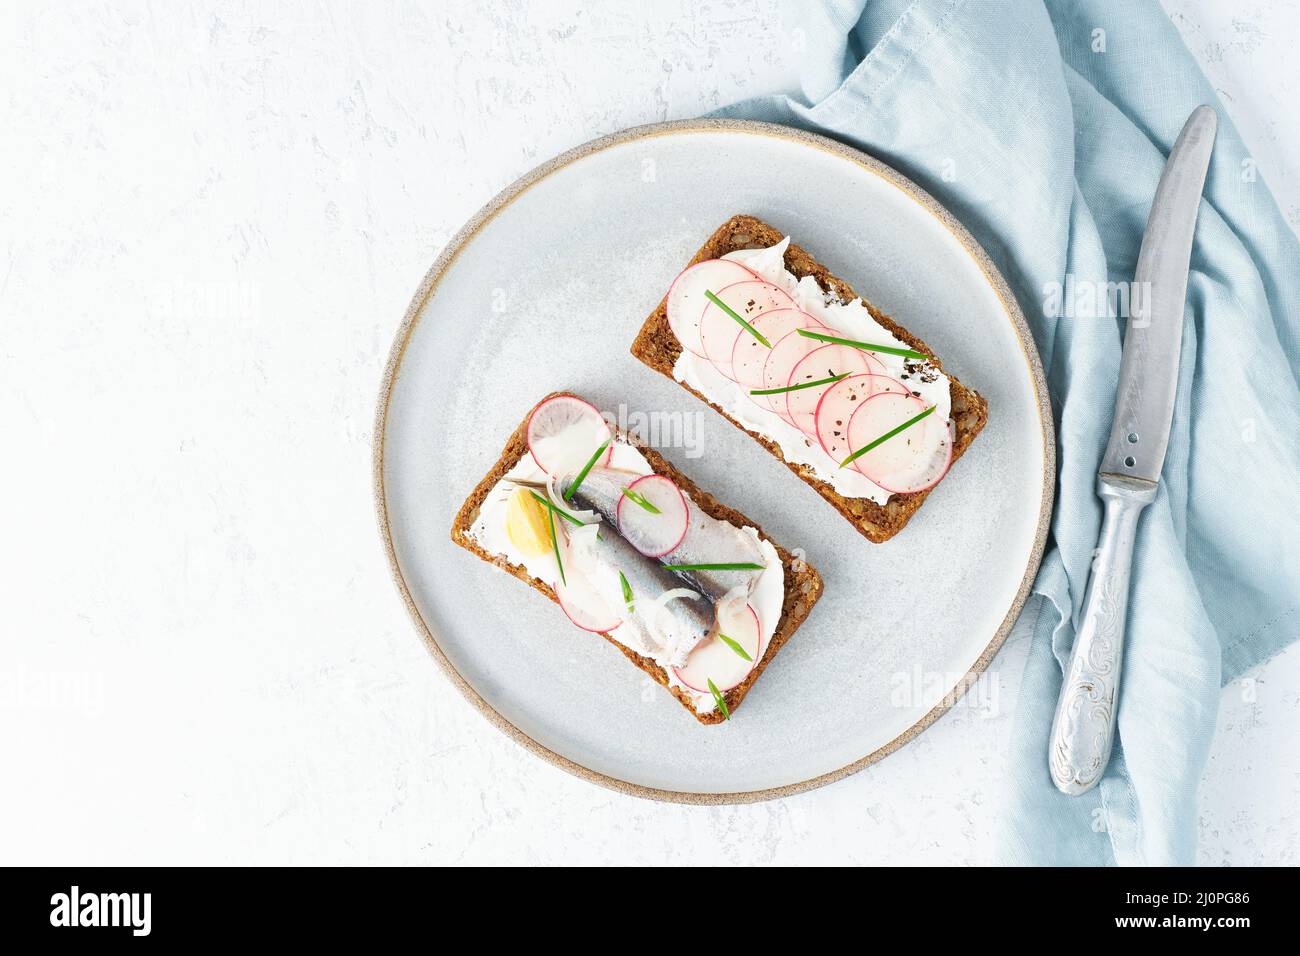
{"points": [[735, 646], [795, 388], [865, 346], [886, 436], [627, 593], [639, 499], [717, 699], [559, 511], [731, 312], [586, 469], [555, 546]]}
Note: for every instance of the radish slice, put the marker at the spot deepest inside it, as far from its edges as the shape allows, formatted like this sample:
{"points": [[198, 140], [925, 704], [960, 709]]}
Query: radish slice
{"points": [[564, 432], [927, 477], [749, 355], [654, 535], [915, 457], [584, 605], [749, 300], [781, 360], [837, 405], [829, 360], [887, 383], [580, 597], [715, 660], [686, 299]]}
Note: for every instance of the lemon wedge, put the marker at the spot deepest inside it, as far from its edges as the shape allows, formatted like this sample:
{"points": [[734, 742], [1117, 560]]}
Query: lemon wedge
{"points": [[526, 524]]}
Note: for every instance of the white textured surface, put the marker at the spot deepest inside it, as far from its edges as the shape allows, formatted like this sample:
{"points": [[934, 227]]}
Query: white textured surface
{"points": [[210, 224]]}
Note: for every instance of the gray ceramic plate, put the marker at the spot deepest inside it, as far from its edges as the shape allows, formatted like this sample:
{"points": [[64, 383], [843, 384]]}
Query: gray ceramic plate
{"points": [[545, 289]]}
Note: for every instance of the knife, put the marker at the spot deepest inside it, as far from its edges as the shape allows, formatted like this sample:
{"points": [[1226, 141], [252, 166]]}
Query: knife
{"points": [[1079, 746]]}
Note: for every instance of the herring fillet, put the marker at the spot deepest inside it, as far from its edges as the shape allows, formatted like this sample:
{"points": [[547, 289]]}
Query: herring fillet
{"points": [[707, 541], [690, 619]]}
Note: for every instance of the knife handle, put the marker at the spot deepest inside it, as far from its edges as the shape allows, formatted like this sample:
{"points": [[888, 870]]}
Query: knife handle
{"points": [[1079, 747]]}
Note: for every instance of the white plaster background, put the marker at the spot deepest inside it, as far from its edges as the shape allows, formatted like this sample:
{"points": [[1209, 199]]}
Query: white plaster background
{"points": [[212, 217]]}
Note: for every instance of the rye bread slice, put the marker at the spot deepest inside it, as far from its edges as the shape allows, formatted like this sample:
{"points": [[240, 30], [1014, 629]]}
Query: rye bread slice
{"points": [[657, 347], [803, 585]]}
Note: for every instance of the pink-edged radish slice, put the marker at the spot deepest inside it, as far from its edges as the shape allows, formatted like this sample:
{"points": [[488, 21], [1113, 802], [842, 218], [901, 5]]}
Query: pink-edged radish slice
{"points": [[715, 660], [927, 477], [887, 383], [781, 360], [749, 300], [908, 458], [749, 355], [837, 405], [653, 534], [584, 606], [686, 300], [564, 432], [825, 362]]}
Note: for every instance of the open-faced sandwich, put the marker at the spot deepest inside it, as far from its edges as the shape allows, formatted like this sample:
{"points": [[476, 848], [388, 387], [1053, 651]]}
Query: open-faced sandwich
{"points": [[689, 590], [853, 403]]}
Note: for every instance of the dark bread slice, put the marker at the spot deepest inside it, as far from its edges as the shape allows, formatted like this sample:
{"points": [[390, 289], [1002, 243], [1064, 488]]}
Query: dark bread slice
{"points": [[657, 347], [803, 585]]}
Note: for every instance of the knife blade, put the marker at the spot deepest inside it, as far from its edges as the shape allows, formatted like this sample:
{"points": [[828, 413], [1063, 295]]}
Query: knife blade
{"points": [[1148, 374], [1084, 724]]}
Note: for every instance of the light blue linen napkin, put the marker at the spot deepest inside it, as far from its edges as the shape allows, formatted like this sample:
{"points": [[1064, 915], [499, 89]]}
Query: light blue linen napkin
{"points": [[1044, 128]]}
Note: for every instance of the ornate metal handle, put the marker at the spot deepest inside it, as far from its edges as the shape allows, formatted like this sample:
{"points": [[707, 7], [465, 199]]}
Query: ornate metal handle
{"points": [[1079, 747]]}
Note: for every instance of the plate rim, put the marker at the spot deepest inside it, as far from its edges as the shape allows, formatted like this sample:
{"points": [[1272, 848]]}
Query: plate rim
{"points": [[872, 165]]}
